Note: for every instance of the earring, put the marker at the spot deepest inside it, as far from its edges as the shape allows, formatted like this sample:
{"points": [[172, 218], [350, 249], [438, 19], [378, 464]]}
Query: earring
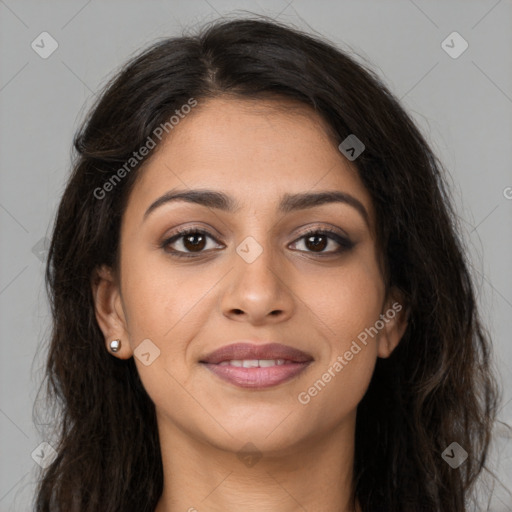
{"points": [[115, 345]]}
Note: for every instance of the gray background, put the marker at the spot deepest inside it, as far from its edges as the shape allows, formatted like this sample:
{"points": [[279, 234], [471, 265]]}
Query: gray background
{"points": [[462, 105]]}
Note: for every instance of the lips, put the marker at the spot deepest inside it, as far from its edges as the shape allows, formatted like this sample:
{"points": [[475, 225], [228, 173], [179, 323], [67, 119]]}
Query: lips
{"points": [[249, 351], [248, 365]]}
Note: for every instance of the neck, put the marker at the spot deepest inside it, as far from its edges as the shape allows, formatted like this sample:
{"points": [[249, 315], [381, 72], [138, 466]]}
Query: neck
{"points": [[316, 475]]}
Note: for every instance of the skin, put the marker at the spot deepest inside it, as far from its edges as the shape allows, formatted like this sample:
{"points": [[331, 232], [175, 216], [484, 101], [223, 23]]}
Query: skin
{"points": [[290, 294]]}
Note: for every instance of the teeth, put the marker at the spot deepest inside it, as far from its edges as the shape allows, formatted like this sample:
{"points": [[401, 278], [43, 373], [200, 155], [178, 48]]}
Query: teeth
{"points": [[253, 363], [266, 362], [250, 363]]}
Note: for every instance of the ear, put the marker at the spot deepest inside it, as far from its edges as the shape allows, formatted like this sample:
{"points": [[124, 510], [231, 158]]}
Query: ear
{"points": [[109, 310], [394, 316]]}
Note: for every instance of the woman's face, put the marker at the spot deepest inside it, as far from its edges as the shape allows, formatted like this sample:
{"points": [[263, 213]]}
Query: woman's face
{"points": [[254, 276]]}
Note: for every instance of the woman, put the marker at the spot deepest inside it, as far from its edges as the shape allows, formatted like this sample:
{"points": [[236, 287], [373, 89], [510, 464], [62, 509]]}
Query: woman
{"points": [[260, 300]]}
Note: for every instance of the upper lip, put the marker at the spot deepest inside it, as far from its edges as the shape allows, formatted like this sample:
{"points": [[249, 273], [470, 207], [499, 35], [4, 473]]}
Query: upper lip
{"points": [[240, 351]]}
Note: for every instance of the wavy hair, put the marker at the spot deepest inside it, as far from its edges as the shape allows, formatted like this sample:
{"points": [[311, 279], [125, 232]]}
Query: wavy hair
{"points": [[437, 387]]}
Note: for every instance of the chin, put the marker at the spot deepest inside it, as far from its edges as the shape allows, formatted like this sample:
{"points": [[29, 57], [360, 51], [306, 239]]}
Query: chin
{"points": [[273, 430]]}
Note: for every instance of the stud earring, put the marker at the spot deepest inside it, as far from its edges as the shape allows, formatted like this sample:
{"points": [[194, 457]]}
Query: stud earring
{"points": [[115, 345]]}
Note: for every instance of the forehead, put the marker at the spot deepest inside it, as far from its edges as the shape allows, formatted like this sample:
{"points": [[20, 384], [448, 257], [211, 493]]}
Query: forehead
{"points": [[254, 150]]}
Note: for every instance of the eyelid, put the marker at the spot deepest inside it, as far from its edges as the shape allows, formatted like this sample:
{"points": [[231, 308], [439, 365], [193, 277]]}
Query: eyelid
{"points": [[325, 228], [181, 232]]}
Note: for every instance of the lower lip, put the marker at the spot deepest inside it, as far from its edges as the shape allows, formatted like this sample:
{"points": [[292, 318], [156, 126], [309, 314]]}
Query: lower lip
{"points": [[257, 377]]}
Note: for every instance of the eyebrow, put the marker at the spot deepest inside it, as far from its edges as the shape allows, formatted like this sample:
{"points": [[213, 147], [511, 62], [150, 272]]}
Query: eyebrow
{"points": [[288, 203]]}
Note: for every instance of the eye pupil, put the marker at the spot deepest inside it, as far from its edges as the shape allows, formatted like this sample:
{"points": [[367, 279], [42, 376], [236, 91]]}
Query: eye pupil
{"points": [[194, 245], [316, 244]]}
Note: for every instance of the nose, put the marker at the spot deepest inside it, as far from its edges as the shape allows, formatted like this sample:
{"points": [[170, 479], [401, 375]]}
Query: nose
{"points": [[258, 292]]}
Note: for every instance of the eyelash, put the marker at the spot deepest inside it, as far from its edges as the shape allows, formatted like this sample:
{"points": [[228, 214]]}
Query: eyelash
{"points": [[345, 243]]}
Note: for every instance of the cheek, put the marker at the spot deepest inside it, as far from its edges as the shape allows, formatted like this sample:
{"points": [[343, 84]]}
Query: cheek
{"points": [[347, 300], [161, 297], [169, 305], [348, 303], [349, 306], [335, 392]]}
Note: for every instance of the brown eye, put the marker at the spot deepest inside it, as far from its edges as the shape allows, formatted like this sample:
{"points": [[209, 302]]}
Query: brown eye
{"points": [[319, 240], [316, 242], [192, 240]]}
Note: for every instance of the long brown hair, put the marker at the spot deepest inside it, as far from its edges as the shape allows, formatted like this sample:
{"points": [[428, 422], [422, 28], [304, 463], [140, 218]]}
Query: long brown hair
{"points": [[436, 388]]}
